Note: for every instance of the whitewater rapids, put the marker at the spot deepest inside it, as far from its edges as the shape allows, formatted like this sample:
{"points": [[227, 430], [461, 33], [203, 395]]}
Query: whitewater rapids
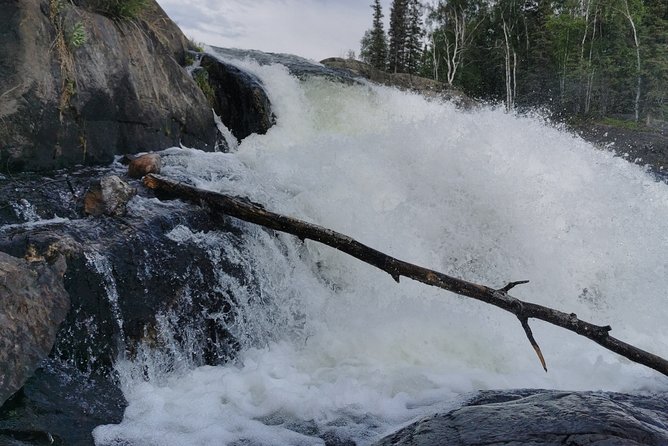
{"points": [[333, 345]]}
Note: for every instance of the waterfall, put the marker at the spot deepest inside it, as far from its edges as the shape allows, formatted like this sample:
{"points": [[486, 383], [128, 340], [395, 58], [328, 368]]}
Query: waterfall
{"points": [[331, 348]]}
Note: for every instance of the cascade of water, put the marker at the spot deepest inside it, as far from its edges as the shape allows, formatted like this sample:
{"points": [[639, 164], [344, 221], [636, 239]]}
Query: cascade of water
{"points": [[332, 347], [99, 263], [25, 210]]}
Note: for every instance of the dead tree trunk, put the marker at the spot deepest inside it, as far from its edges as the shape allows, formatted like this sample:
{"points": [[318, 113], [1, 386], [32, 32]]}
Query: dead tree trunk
{"points": [[396, 268]]}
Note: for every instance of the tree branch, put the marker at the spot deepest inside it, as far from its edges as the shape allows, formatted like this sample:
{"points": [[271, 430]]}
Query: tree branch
{"points": [[254, 213]]}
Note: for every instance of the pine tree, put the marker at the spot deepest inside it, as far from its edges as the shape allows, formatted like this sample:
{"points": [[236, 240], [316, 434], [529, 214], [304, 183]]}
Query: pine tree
{"points": [[398, 33], [414, 37], [378, 38], [374, 43]]}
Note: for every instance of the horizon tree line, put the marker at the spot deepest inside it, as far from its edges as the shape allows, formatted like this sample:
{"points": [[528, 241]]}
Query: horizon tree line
{"points": [[583, 58]]}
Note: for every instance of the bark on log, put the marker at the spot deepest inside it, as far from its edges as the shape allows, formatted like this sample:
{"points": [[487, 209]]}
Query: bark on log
{"points": [[254, 213]]}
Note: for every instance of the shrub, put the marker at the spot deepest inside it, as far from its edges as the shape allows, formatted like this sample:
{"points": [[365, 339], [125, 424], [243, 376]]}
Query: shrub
{"points": [[202, 80], [77, 36], [123, 9]]}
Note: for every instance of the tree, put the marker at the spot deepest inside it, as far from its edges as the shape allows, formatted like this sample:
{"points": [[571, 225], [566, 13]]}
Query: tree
{"points": [[654, 47], [453, 23], [414, 37], [374, 42], [398, 34]]}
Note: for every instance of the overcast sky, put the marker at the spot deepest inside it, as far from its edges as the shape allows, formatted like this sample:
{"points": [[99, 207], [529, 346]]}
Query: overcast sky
{"points": [[315, 29]]}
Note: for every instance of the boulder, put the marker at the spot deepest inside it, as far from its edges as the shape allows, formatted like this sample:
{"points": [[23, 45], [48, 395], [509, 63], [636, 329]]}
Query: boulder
{"points": [[59, 406], [543, 417], [33, 303], [116, 88], [108, 196], [239, 98], [144, 164]]}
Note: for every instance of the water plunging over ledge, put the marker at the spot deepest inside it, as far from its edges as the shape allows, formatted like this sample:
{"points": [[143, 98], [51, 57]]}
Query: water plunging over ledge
{"points": [[329, 346]]}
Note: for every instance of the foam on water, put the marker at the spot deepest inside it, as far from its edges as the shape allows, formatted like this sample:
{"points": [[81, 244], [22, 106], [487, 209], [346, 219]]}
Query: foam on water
{"points": [[482, 195]]}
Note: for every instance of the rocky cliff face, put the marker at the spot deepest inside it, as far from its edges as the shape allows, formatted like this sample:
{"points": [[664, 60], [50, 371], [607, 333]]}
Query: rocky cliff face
{"points": [[78, 86]]}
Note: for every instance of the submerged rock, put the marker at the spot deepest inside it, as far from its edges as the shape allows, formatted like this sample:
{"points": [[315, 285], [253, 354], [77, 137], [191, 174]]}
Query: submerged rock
{"points": [[33, 303], [544, 417]]}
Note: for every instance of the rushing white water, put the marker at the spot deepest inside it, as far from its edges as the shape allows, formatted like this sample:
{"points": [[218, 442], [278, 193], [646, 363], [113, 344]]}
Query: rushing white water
{"points": [[340, 347]]}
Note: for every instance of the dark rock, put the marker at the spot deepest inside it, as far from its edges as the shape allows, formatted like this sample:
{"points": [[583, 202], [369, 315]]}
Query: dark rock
{"points": [[108, 196], [33, 304], [544, 417], [144, 164], [240, 99], [121, 91], [59, 406], [125, 274], [644, 145]]}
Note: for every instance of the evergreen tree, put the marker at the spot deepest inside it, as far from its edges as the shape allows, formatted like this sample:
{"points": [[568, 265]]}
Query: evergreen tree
{"points": [[398, 34], [378, 54], [366, 53], [374, 43], [414, 37]]}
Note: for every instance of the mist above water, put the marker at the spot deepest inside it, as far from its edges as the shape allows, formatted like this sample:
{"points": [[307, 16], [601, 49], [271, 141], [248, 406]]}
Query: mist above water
{"points": [[334, 347]]}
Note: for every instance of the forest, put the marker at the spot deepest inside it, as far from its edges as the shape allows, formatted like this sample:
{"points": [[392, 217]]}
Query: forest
{"points": [[574, 59]]}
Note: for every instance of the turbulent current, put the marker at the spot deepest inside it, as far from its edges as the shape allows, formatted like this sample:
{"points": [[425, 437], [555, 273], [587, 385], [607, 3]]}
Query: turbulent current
{"points": [[331, 347]]}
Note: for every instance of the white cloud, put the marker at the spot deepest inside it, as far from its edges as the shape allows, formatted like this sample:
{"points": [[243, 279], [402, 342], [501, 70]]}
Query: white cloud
{"points": [[314, 29]]}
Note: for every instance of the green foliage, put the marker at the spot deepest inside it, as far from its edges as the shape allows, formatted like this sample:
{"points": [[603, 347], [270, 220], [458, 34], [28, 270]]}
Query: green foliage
{"points": [[620, 123], [77, 36], [122, 9], [195, 45], [573, 57], [201, 78], [374, 43], [406, 33]]}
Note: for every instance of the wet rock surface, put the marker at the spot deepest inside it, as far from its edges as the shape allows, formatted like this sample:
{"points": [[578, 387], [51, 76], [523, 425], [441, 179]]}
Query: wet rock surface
{"points": [[544, 417], [59, 406], [144, 164], [124, 273], [132, 278], [239, 98], [33, 303], [646, 147], [108, 196]]}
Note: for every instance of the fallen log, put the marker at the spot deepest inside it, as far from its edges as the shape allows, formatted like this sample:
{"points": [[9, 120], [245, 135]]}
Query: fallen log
{"points": [[254, 213]]}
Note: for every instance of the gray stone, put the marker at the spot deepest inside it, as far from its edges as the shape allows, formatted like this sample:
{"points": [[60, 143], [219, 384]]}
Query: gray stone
{"points": [[121, 91], [108, 196], [33, 303], [543, 417]]}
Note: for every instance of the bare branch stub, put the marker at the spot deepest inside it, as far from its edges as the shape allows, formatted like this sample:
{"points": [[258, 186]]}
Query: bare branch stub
{"points": [[527, 330], [512, 285]]}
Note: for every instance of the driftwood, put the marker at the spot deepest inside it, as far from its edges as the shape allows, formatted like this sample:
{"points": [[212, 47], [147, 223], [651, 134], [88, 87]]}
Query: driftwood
{"points": [[254, 213]]}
